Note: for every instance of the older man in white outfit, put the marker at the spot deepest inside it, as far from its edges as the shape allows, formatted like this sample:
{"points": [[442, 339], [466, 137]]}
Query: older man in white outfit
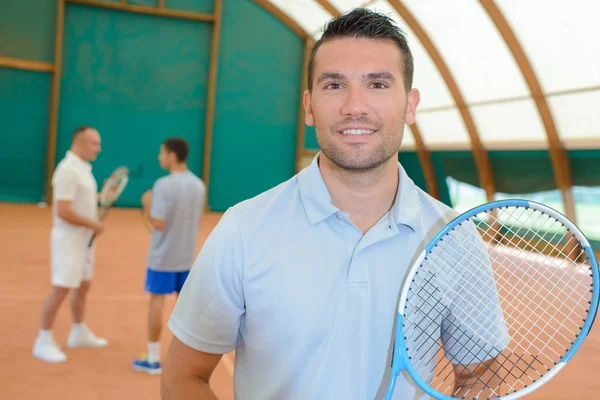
{"points": [[75, 219]]}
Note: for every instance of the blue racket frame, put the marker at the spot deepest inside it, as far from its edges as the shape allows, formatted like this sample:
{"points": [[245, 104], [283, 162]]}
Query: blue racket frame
{"points": [[400, 360]]}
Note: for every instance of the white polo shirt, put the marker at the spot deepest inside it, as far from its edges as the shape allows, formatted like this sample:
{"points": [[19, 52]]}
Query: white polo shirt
{"points": [[306, 300], [73, 180]]}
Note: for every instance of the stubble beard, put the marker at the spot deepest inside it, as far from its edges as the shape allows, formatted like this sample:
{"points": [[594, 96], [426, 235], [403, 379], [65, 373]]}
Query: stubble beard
{"points": [[357, 160]]}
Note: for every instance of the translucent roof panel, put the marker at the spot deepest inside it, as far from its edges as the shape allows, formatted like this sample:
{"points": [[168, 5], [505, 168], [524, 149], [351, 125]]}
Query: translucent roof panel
{"points": [[510, 125], [348, 5], [577, 118], [307, 13], [560, 39], [472, 48], [443, 130]]}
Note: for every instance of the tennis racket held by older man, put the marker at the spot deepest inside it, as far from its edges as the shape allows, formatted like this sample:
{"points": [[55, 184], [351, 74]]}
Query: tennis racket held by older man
{"points": [[111, 191]]}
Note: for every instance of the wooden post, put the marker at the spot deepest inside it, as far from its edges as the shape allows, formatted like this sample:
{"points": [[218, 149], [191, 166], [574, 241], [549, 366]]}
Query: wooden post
{"points": [[54, 97], [426, 163], [558, 154], [210, 101], [482, 161]]}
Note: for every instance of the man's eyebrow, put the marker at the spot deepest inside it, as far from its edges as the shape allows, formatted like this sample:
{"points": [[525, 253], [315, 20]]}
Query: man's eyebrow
{"points": [[329, 75], [381, 75]]}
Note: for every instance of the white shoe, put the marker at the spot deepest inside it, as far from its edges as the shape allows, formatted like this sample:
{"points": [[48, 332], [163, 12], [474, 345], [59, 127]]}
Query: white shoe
{"points": [[48, 350], [84, 338]]}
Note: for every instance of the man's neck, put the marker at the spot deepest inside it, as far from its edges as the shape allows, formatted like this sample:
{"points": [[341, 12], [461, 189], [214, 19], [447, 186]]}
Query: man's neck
{"points": [[77, 152], [365, 195], [178, 168]]}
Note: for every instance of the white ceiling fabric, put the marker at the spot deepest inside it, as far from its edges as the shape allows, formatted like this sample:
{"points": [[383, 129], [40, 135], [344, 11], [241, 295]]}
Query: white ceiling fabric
{"points": [[559, 39]]}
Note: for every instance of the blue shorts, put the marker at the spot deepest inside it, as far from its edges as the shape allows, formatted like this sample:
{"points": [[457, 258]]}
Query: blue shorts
{"points": [[165, 282]]}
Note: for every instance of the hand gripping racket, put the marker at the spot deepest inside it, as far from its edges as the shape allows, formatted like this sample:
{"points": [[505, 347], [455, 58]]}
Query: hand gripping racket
{"points": [[497, 303], [112, 189]]}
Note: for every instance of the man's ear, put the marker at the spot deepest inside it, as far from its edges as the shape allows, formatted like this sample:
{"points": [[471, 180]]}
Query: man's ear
{"points": [[412, 102], [309, 118]]}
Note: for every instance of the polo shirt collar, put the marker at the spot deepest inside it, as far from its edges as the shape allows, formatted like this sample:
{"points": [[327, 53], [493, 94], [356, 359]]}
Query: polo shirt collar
{"points": [[316, 200]]}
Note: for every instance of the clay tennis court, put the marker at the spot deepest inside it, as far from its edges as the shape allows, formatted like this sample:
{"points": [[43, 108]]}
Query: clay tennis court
{"points": [[117, 311]]}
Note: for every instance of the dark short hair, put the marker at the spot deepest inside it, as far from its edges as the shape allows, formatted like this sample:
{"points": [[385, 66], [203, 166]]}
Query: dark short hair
{"points": [[364, 23], [178, 146], [79, 130]]}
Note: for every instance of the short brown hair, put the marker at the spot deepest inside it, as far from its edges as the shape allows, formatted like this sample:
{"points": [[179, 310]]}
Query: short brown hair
{"points": [[178, 146], [364, 23]]}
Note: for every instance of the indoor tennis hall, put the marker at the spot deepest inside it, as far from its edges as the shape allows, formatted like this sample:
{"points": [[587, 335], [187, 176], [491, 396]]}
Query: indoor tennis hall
{"points": [[509, 100]]}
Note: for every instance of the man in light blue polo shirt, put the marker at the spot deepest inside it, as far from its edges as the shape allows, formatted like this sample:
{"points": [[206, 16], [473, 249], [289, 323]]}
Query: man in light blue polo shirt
{"points": [[303, 280]]}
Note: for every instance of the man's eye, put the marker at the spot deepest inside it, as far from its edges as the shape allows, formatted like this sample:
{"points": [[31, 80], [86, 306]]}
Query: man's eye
{"points": [[333, 86], [378, 85]]}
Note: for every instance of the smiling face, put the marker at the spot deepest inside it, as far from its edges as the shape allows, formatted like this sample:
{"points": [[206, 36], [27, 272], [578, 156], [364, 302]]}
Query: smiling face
{"points": [[358, 103]]}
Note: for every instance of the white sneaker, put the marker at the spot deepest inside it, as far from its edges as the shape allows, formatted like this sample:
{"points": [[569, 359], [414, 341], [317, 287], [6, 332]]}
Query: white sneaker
{"points": [[83, 337], [48, 350]]}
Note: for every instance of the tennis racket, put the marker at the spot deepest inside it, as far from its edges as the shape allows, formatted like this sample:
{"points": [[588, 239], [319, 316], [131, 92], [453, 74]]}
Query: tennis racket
{"points": [[497, 303], [111, 190]]}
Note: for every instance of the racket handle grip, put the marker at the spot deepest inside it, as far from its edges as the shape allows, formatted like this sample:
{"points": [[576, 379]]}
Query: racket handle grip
{"points": [[92, 240]]}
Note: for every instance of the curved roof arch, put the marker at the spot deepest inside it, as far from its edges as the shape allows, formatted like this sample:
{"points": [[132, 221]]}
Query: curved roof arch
{"points": [[514, 75], [495, 88]]}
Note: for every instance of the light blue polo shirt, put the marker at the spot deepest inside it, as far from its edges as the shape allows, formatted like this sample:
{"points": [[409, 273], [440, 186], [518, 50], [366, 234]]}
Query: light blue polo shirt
{"points": [[307, 302]]}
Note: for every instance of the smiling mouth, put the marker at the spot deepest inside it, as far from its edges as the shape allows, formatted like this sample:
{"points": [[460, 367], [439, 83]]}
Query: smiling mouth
{"points": [[357, 132]]}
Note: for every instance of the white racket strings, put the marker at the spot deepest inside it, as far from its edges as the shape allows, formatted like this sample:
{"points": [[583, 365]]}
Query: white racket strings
{"points": [[506, 291]]}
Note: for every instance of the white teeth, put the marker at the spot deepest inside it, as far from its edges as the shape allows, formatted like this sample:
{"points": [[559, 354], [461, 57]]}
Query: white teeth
{"points": [[357, 132]]}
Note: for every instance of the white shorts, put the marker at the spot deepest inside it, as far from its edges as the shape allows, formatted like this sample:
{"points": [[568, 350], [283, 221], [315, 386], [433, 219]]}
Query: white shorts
{"points": [[71, 260]]}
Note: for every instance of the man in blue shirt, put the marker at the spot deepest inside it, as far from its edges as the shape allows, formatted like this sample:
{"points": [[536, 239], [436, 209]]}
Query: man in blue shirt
{"points": [[303, 280]]}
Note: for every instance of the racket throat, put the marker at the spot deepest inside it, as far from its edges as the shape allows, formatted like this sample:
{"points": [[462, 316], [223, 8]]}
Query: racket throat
{"points": [[398, 361]]}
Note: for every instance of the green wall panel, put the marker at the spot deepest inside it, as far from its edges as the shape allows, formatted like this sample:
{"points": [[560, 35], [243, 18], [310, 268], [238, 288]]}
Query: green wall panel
{"points": [[24, 100], [518, 172], [199, 6], [310, 138], [256, 114], [585, 167], [138, 79], [149, 3], [27, 29], [412, 166]]}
